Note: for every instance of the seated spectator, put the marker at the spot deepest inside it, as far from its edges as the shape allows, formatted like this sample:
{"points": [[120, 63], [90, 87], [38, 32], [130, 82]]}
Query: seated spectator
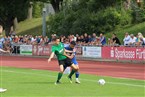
{"points": [[115, 40], [102, 39], [137, 41], [126, 39], [132, 40]]}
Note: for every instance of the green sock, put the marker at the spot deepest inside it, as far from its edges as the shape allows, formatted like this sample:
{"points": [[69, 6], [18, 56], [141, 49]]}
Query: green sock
{"points": [[72, 72], [59, 76]]}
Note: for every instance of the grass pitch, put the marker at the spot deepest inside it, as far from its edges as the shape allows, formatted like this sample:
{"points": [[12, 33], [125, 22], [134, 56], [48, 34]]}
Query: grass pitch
{"points": [[40, 83]]}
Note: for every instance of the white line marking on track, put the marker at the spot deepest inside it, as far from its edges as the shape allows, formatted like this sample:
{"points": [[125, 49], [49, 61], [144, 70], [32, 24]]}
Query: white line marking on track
{"points": [[116, 83]]}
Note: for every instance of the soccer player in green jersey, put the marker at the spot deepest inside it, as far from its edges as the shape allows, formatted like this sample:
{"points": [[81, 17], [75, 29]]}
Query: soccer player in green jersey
{"points": [[59, 50]]}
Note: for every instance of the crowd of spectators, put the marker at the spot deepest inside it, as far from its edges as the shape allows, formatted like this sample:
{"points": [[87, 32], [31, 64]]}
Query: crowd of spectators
{"points": [[7, 43]]}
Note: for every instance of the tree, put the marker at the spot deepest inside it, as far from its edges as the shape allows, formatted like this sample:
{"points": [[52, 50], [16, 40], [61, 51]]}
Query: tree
{"points": [[56, 4], [9, 10]]}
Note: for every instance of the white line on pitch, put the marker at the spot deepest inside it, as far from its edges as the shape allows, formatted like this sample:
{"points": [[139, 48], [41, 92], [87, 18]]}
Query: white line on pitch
{"points": [[117, 83]]}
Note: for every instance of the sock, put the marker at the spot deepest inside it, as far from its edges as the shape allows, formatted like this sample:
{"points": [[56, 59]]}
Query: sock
{"points": [[72, 72], [59, 76], [77, 75]]}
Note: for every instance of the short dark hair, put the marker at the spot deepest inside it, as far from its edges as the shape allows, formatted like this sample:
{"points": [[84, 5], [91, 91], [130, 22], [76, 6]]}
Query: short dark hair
{"points": [[73, 42], [55, 38]]}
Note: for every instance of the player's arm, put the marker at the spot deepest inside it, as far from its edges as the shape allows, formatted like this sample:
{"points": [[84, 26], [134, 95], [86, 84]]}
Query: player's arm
{"points": [[3, 51], [69, 56], [51, 56], [68, 51]]}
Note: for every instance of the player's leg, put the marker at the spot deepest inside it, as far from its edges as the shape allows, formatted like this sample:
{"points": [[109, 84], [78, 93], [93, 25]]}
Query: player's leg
{"points": [[77, 74], [74, 69], [60, 74]]}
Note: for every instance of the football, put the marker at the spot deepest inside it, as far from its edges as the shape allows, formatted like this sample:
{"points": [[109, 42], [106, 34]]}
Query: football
{"points": [[101, 81]]}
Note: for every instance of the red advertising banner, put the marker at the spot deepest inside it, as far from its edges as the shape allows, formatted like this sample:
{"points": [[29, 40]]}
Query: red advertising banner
{"points": [[124, 53], [39, 50]]}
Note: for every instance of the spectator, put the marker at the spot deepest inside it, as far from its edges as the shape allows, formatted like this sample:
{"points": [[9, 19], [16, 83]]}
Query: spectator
{"points": [[102, 39], [86, 39], [94, 37], [110, 42], [132, 40], [74, 38], [90, 42], [142, 41], [1, 41], [7, 46], [98, 41], [126, 39], [115, 40], [137, 41], [82, 39]]}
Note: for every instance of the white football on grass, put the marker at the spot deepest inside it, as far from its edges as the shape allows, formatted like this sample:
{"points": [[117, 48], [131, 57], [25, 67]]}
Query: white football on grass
{"points": [[101, 81]]}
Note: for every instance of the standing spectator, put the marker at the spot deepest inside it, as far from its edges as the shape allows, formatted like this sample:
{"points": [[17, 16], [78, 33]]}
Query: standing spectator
{"points": [[110, 42], [16, 39], [74, 38], [82, 39], [126, 39], [94, 37], [142, 41], [86, 39], [77, 35], [115, 40], [46, 40], [102, 39], [140, 35], [91, 42], [97, 42], [1, 41], [132, 40], [79, 40]]}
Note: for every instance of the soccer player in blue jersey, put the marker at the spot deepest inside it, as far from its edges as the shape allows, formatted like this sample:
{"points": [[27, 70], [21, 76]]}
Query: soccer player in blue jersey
{"points": [[71, 47]]}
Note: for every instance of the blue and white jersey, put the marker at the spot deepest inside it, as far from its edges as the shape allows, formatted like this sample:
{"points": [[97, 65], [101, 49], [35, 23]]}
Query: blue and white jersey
{"points": [[1, 42], [74, 60]]}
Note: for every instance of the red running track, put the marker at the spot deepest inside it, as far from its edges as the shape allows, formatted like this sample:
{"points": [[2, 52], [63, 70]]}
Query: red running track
{"points": [[113, 69]]}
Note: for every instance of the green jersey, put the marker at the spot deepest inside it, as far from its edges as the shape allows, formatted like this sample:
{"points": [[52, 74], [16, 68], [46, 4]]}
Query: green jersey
{"points": [[59, 50]]}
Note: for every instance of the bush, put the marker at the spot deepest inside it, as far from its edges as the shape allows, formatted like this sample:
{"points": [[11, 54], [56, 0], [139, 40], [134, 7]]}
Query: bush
{"points": [[37, 9], [84, 20]]}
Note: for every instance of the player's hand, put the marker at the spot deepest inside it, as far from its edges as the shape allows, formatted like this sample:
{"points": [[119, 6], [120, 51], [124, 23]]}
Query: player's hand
{"points": [[48, 61], [70, 57]]}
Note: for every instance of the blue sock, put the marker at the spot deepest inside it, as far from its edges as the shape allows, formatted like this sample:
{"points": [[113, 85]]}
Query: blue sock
{"points": [[77, 74]]}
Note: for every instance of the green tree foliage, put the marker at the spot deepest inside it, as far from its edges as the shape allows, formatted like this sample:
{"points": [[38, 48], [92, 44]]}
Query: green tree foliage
{"points": [[9, 9], [37, 9], [89, 16]]}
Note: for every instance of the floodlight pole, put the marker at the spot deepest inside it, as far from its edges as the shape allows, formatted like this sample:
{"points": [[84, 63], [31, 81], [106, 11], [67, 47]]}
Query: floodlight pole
{"points": [[44, 22]]}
